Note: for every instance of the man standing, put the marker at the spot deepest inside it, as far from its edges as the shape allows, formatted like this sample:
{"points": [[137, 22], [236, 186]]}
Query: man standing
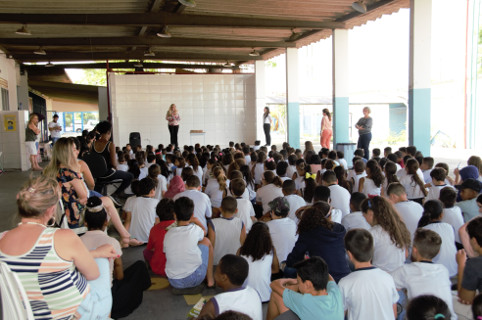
{"points": [[54, 129]]}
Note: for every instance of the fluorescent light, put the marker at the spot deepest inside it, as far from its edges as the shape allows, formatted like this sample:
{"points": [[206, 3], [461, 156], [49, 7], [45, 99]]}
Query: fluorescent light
{"points": [[164, 33], [49, 64], [23, 31], [188, 3], [40, 51], [359, 6], [149, 53], [254, 53]]}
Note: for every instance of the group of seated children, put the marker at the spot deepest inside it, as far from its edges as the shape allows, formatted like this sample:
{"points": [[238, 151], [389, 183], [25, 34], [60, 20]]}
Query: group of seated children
{"points": [[381, 214]]}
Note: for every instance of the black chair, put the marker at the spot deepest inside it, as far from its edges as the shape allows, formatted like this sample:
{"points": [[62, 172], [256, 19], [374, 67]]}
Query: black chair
{"points": [[100, 171]]}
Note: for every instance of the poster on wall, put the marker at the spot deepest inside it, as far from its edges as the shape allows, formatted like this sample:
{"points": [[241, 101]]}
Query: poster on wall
{"points": [[10, 122]]}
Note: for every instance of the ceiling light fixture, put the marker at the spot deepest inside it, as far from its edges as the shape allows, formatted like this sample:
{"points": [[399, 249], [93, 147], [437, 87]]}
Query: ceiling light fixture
{"points": [[49, 64], [149, 53], [227, 65], [359, 6], [164, 33], [40, 51], [294, 35], [138, 64], [188, 3], [23, 31], [254, 53]]}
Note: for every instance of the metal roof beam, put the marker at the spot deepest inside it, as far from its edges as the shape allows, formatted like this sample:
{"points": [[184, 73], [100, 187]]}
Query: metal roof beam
{"points": [[89, 56], [127, 65], [145, 41], [164, 18]]}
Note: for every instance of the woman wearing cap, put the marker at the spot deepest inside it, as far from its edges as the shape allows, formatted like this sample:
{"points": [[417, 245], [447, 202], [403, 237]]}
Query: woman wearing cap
{"points": [[364, 126], [319, 236]]}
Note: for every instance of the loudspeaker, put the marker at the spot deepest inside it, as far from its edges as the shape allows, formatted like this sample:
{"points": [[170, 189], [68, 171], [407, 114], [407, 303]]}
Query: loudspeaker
{"points": [[134, 139]]}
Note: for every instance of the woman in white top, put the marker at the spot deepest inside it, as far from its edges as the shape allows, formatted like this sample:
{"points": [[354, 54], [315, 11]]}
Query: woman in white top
{"points": [[412, 179], [217, 188], [271, 189], [391, 238], [372, 183], [267, 125], [432, 220], [259, 251]]}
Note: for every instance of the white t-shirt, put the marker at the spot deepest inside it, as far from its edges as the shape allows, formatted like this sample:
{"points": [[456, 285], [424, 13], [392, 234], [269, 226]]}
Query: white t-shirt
{"points": [[283, 234], [426, 176], [183, 255], [434, 192], [424, 278], [202, 204], [123, 167], [161, 186], [290, 171], [258, 172], [340, 198], [144, 171], [386, 256], [216, 195], [355, 220], [227, 240], [369, 293], [55, 133], [143, 217], [247, 159], [266, 194], [356, 180], [245, 212], [411, 187], [199, 173], [96, 238], [259, 276], [410, 212], [343, 163], [300, 183], [244, 300], [370, 189], [454, 217], [295, 202], [446, 256]]}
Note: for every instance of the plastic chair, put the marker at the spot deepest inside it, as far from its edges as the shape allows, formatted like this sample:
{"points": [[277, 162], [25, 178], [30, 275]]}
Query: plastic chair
{"points": [[99, 170], [15, 303]]}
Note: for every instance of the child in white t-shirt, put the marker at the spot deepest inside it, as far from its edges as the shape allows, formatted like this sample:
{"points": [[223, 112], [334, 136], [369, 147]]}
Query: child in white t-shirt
{"points": [[432, 220], [452, 214], [141, 211], [245, 207], [422, 276], [438, 176], [189, 254], [359, 172], [355, 219], [154, 172], [122, 159], [226, 233], [294, 200], [368, 292]]}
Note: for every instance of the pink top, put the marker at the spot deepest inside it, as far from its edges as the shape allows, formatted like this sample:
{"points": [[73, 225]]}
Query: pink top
{"points": [[173, 119], [325, 123]]}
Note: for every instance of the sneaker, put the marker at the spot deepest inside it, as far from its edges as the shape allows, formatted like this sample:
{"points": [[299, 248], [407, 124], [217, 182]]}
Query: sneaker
{"points": [[117, 202]]}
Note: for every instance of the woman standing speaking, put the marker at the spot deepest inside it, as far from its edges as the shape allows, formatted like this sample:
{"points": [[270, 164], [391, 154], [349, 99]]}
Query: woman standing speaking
{"points": [[173, 119], [267, 125], [364, 126], [326, 130]]}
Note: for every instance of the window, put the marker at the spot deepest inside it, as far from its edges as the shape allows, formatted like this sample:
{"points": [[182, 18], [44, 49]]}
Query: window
{"points": [[5, 104]]}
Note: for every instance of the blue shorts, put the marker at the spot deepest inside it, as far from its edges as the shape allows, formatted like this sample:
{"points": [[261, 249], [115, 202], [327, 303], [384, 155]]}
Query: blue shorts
{"points": [[197, 277]]}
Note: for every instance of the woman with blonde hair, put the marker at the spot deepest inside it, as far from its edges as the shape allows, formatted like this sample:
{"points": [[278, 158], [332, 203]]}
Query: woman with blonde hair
{"points": [[173, 118], [52, 263], [65, 168], [31, 133], [326, 129]]}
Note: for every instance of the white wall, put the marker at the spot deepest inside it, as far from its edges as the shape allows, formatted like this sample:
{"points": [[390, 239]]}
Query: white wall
{"points": [[224, 106], [12, 143], [9, 74]]}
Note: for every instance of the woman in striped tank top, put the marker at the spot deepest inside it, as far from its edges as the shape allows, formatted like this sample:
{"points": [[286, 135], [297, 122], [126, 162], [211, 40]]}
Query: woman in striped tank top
{"points": [[59, 274]]}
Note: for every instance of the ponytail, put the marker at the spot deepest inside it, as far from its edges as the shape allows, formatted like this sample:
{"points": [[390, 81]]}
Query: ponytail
{"points": [[218, 173], [412, 167], [432, 211], [270, 177]]}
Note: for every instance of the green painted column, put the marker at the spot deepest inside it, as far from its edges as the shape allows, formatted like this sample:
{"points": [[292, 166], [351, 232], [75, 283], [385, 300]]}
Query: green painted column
{"points": [[292, 97], [419, 95], [341, 119]]}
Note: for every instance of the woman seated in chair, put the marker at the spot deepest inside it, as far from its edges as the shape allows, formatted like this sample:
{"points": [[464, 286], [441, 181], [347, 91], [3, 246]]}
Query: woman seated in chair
{"points": [[52, 263], [66, 169], [106, 148]]}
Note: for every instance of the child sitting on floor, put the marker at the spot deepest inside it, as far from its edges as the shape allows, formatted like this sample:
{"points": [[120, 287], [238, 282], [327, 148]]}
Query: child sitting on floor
{"points": [[189, 255], [230, 275], [154, 252], [313, 295], [368, 293], [226, 233], [423, 276], [245, 207]]}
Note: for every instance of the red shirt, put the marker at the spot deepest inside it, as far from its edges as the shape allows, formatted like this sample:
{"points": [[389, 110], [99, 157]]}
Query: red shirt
{"points": [[156, 244]]}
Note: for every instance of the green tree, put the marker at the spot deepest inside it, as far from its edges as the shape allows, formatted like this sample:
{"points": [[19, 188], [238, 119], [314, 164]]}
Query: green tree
{"points": [[94, 77]]}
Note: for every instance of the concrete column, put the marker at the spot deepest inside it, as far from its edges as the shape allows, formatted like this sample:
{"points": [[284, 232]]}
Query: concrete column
{"points": [[260, 73], [341, 118], [419, 94], [292, 97]]}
